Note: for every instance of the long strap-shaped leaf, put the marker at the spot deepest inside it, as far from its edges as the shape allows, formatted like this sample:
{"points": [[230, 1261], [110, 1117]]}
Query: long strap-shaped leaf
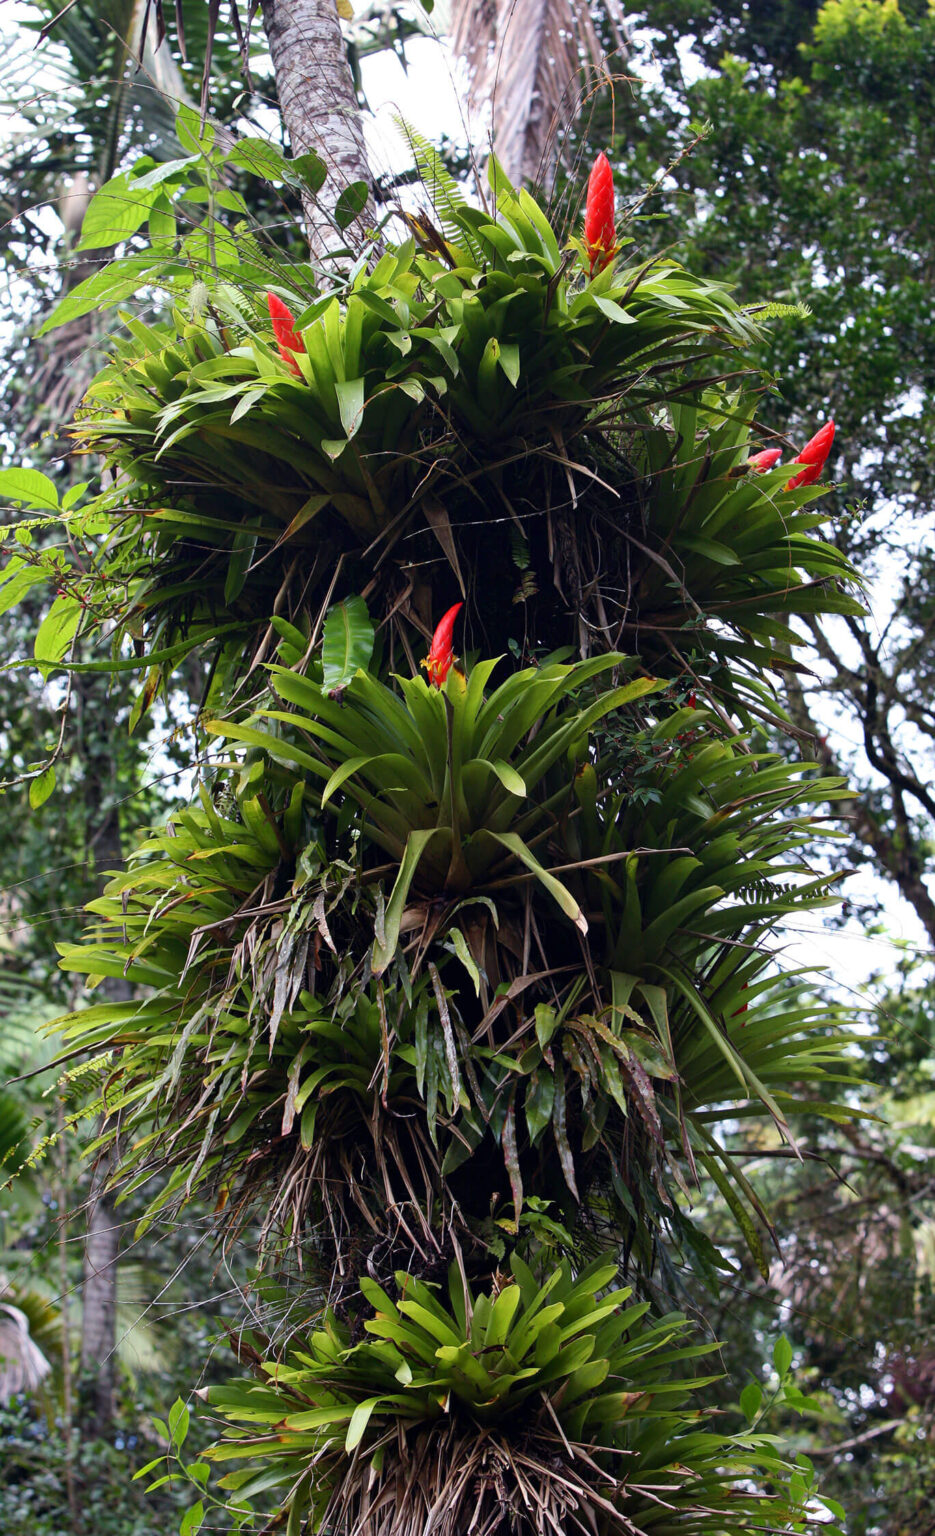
{"points": [[514, 844], [384, 949]]}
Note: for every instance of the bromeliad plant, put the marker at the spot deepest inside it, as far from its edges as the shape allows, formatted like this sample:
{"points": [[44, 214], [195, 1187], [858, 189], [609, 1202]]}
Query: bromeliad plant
{"points": [[307, 990], [470, 968], [551, 1406], [454, 786], [474, 393]]}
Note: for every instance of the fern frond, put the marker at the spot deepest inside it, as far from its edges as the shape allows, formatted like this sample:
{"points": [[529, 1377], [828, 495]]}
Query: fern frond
{"points": [[446, 196]]}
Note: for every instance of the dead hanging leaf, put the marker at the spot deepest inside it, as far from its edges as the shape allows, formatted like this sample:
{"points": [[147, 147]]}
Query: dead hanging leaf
{"points": [[318, 913], [440, 524], [560, 1132], [511, 1157], [644, 1098], [528, 59], [451, 1050], [292, 1088]]}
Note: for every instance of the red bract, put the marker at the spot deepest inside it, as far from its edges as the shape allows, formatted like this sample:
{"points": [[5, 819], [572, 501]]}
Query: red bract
{"points": [[599, 229], [285, 333], [438, 661], [764, 460], [813, 456]]}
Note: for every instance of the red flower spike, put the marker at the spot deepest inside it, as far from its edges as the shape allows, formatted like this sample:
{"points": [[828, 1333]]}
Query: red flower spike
{"points": [[599, 229], [438, 661], [764, 460], [284, 331], [813, 456]]}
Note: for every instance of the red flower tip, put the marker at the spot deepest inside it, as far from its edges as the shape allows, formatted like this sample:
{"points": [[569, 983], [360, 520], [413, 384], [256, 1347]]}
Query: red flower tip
{"points": [[764, 460], [285, 333], [813, 457], [438, 661], [599, 229]]}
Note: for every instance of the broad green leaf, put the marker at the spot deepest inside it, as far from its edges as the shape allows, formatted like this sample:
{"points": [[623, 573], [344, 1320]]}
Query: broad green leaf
{"points": [[57, 631], [384, 947], [178, 1422], [350, 395], [118, 210], [509, 361], [311, 171], [750, 1400], [540, 1094], [41, 788], [782, 1354], [347, 643], [614, 311], [351, 203], [514, 843], [16, 579], [360, 1418], [28, 486], [192, 1520], [119, 280], [259, 156]]}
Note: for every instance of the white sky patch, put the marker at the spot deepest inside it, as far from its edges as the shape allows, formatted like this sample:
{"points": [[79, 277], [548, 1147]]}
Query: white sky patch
{"points": [[426, 96]]}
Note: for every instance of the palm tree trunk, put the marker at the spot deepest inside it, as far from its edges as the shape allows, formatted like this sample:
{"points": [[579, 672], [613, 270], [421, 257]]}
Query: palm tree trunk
{"points": [[319, 107], [99, 1304], [101, 1249]]}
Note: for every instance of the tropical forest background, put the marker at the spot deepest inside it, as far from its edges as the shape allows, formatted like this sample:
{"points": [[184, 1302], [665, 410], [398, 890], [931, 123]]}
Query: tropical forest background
{"points": [[784, 148]]}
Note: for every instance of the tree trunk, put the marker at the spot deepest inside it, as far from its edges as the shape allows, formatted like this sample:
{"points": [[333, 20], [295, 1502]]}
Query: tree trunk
{"points": [[99, 1304], [99, 1288], [319, 107]]}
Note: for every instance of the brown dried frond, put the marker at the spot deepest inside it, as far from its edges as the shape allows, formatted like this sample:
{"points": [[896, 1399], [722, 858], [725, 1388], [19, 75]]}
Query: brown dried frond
{"points": [[523, 57]]}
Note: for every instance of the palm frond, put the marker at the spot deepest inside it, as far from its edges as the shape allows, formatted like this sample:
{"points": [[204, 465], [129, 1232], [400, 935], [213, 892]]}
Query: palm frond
{"points": [[529, 62]]}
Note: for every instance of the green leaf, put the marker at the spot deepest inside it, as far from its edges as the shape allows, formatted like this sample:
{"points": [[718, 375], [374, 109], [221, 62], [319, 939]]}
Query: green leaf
{"points": [[509, 778], [193, 134], [178, 1422], [613, 310], [555, 888], [30, 487], [192, 1520], [163, 224], [352, 201], [347, 643], [16, 579], [311, 171], [360, 1418], [102, 290], [509, 361], [540, 1096], [385, 948], [465, 956], [41, 788], [782, 1354], [238, 566], [115, 212], [750, 1400], [350, 396], [260, 157], [57, 631]]}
